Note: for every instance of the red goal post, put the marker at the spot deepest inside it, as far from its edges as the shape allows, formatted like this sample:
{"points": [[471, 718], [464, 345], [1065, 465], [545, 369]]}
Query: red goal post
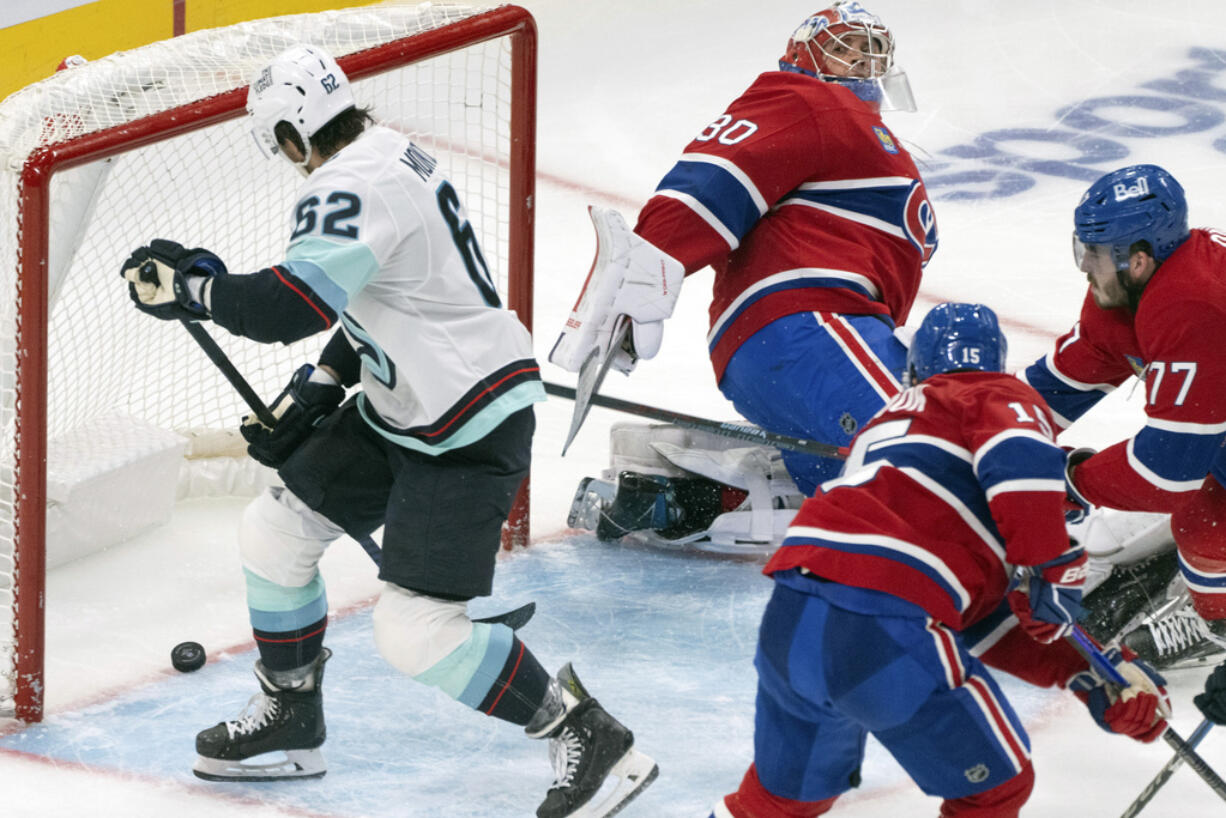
{"points": [[101, 158]]}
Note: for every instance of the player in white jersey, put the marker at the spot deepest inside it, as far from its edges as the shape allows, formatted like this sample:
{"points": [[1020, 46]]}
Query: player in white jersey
{"points": [[433, 447]]}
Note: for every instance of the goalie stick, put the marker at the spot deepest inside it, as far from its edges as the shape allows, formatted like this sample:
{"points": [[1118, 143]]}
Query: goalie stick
{"points": [[591, 376], [740, 431], [1184, 750]]}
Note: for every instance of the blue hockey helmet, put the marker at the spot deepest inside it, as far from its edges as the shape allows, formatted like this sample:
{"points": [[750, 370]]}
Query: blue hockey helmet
{"points": [[1129, 205], [956, 336]]}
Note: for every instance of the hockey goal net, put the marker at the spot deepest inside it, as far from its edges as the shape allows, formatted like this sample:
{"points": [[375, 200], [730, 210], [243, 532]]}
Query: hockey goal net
{"points": [[101, 158]]}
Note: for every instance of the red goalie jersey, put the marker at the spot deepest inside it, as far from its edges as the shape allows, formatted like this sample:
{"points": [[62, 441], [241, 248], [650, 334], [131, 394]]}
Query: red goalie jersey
{"points": [[1176, 342], [802, 200]]}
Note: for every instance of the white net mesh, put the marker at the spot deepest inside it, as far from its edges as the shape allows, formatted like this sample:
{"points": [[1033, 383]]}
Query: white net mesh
{"points": [[207, 187]]}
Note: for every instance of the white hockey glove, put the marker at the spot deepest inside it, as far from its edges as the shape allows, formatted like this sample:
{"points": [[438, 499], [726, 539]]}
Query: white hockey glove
{"points": [[630, 277]]}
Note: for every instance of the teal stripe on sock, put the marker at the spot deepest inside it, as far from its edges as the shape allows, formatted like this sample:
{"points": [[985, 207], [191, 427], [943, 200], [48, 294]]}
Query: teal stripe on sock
{"points": [[277, 608], [468, 672]]}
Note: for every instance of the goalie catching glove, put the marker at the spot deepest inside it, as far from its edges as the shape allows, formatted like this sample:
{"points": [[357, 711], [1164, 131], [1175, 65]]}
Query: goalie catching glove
{"points": [[312, 395], [1047, 601], [167, 280], [1138, 711], [629, 277]]}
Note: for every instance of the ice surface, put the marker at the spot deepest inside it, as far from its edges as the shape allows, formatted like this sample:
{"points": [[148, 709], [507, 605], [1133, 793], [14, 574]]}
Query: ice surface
{"points": [[1029, 100]]}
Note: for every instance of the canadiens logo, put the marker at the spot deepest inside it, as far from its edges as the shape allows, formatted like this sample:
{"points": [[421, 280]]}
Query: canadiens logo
{"points": [[886, 139], [919, 221]]}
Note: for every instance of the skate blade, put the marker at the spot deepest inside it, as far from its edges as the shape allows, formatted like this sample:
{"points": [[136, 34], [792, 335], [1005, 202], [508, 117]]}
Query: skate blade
{"points": [[295, 764], [634, 772]]}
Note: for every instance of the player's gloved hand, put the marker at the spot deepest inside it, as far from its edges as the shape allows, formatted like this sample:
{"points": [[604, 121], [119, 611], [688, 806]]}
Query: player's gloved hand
{"points": [[1138, 711], [1076, 507], [1213, 701], [630, 277], [1047, 600], [166, 280], [312, 395]]}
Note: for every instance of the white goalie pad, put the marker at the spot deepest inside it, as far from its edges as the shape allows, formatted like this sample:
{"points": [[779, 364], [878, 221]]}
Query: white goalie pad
{"points": [[629, 276], [758, 525], [1112, 537], [1121, 537]]}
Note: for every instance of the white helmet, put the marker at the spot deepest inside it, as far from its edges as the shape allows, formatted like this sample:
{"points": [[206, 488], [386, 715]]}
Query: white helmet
{"points": [[302, 86]]}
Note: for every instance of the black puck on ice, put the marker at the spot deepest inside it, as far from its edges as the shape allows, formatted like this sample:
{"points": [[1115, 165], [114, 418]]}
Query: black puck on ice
{"points": [[187, 656]]}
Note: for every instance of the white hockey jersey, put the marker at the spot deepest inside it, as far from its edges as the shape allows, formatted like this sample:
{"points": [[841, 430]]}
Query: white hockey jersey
{"points": [[382, 237]]}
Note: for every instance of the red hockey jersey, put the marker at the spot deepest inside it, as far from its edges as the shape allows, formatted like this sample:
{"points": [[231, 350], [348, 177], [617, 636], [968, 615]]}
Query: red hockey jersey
{"points": [[955, 482], [801, 200], [1177, 343]]}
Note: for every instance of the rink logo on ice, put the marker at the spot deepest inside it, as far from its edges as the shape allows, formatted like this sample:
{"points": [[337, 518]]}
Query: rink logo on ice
{"points": [[1124, 192], [977, 774], [1090, 137], [886, 139]]}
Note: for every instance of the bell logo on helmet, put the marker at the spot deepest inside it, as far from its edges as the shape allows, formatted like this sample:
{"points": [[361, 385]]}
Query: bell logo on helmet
{"points": [[1123, 192]]}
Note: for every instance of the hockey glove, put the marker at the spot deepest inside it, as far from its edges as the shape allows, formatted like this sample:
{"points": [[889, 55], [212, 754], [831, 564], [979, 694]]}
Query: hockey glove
{"points": [[310, 397], [166, 280], [630, 277], [1076, 507], [1047, 600], [1138, 711], [1213, 701]]}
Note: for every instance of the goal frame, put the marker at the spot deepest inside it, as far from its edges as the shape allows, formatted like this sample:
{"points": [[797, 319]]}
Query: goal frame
{"points": [[34, 201]]}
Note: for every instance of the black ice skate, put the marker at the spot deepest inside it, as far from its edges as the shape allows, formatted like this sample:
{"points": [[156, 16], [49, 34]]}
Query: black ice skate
{"points": [[586, 746], [286, 719], [1175, 636], [1130, 593]]}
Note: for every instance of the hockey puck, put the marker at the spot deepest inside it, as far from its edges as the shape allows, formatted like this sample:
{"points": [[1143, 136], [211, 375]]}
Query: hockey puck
{"points": [[187, 656]]}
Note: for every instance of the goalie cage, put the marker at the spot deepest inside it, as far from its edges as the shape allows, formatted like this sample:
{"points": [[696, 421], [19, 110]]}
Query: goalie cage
{"points": [[101, 158]]}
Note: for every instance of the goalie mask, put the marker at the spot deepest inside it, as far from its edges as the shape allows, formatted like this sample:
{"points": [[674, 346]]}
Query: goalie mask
{"points": [[848, 45], [303, 87], [955, 337]]}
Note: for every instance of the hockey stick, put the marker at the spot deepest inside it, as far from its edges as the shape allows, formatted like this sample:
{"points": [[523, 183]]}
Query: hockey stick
{"points": [[222, 361], [1183, 749], [739, 431], [514, 620], [1165, 773]]}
